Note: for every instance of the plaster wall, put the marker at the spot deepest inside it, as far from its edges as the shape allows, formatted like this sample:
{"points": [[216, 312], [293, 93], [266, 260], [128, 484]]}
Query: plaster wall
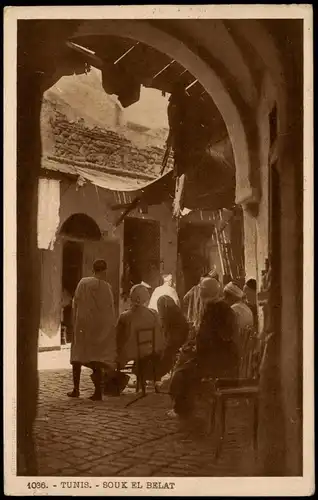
{"points": [[256, 229], [96, 203]]}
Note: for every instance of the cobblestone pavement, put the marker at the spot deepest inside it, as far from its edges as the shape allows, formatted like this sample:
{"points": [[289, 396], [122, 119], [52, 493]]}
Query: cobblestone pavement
{"points": [[79, 437]]}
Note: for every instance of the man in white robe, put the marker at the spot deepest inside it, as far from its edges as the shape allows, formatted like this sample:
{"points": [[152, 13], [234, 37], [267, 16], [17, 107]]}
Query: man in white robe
{"points": [[94, 338], [165, 289], [234, 296]]}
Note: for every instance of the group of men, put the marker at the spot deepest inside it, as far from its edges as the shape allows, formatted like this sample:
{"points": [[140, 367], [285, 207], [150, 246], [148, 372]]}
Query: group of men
{"points": [[243, 302], [219, 318], [94, 321]]}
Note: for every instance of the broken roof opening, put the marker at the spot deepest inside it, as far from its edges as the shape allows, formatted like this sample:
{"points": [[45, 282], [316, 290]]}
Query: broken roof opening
{"points": [[196, 136]]}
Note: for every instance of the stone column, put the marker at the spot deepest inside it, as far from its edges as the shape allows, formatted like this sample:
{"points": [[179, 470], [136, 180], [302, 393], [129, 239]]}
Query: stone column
{"points": [[29, 95], [291, 294], [281, 384]]}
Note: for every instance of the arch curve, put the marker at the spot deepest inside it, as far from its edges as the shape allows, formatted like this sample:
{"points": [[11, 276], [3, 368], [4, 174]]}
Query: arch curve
{"points": [[81, 226], [238, 133]]}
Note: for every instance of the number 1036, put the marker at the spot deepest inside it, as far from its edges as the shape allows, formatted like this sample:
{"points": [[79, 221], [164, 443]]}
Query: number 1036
{"points": [[37, 486]]}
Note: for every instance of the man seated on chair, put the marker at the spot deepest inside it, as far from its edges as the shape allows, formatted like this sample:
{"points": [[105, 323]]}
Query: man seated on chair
{"points": [[192, 303], [234, 296], [249, 290], [214, 353], [175, 330], [138, 318]]}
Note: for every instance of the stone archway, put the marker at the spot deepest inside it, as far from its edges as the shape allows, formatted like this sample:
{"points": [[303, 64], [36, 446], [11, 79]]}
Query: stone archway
{"points": [[241, 122], [208, 77], [239, 95]]}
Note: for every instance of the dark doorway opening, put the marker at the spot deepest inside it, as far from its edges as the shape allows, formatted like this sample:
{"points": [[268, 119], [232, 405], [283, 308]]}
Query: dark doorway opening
{"points": [[81, 226], [141, 253], [193, 249], [76, 230], [71, 275]]}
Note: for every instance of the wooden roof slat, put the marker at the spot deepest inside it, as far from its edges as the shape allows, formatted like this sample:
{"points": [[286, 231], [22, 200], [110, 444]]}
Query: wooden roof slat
{"points": [[151, 68], [191, 84], [126, 53], [109, 46], [88, 54], [163, 69]]}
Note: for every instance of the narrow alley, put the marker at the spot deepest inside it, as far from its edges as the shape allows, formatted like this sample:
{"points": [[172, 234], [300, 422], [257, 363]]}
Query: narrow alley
{"points": [[78, 437]]}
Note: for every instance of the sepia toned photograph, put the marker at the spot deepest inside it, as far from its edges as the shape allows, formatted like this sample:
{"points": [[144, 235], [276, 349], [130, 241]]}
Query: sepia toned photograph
{"points": [[158, 250]]}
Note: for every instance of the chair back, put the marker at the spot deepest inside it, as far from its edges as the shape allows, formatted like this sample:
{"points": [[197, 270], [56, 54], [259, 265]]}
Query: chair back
{"points": [[263, 353], [145, 338], [250, 351]]}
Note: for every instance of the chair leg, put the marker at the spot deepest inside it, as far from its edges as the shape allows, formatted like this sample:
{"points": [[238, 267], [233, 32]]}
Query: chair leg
{"points": [[255, 423], [155, 379], [223, 412], [211, 417], [142, 383], [222, 430]]}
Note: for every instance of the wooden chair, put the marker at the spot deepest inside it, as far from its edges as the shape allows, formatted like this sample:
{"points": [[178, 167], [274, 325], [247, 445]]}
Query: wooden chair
{"points": [[246, 386], [145, 339]]}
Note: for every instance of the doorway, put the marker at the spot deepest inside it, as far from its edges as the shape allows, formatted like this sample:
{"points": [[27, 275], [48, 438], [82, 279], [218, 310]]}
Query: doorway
{"points": [[141, 253], [193, 248], [77, 230], [71, 275]]}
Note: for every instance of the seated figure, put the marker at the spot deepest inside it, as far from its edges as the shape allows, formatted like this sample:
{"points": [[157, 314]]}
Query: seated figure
{"points": [[213, 353], [138, 318], [175, 330]]}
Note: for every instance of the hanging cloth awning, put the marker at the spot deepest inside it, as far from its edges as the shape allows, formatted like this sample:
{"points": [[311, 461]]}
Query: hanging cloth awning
{"points": [[209, 185]]}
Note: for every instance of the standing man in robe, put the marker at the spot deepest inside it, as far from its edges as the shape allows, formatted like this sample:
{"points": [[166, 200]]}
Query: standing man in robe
{"points": [[94, 338], [166, 289]]}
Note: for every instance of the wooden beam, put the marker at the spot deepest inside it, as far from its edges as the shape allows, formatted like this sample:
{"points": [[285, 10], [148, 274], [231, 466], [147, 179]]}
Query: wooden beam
{"points": [[129, 209], [90, 55], [125, 53], [120, 206], [163, 69], [59, 176]]}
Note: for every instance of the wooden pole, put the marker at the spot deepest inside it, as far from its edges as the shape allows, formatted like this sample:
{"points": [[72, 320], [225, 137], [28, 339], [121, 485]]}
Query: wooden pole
{"points": [[219, 249]]}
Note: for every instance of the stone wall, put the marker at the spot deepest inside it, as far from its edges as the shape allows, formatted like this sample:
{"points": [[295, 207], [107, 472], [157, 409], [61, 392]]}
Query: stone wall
{"points": [[104, 147], [70, 140]]}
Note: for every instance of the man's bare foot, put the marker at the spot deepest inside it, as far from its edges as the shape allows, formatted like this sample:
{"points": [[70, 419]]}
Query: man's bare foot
{"points": [[183, 420], [172, 414], [73, 394]]}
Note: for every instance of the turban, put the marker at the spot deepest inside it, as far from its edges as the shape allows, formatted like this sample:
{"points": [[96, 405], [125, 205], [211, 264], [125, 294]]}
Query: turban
{"points": [[234, 290], [251, 284], [139, 295], [210, 289]]}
